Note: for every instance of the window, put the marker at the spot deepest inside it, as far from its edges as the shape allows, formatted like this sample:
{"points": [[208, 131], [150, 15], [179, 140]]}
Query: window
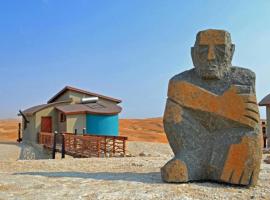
{"points": [[62, 117]]}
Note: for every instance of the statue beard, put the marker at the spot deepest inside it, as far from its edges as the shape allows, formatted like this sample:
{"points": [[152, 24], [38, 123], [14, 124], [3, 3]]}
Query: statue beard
{"points": [[212, 71]]}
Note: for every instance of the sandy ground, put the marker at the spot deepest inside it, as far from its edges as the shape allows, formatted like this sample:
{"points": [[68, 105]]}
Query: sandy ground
{"points": [[9, 151], [136, 177], [110, 178]]}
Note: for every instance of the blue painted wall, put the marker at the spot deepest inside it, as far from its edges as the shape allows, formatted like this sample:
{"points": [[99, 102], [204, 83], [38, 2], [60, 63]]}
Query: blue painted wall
{"points": [[102, 124]]}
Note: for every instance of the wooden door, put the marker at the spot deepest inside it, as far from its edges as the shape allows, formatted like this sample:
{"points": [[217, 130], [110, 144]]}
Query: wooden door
{"points": [[46, 124]]}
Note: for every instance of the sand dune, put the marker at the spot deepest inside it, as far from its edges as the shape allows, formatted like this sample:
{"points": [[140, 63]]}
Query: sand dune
{"points": [[145, 130], [9, 130]]}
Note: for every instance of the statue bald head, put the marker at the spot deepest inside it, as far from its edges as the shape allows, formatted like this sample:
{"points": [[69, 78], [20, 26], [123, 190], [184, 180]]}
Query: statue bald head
{"points": [[212, 53]]}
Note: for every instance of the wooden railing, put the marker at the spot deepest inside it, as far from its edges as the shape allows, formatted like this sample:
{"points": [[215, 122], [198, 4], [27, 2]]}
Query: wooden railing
{"points": [[95, 146], [87, 145], [46, 139]]}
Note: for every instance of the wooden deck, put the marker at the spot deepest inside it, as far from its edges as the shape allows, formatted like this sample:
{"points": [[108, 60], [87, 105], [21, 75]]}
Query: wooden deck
{"points": [[85, 145]]}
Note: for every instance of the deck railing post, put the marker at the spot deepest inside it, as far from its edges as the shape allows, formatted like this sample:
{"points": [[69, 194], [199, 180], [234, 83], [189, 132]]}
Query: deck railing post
{"points": [[105, 146], [124, 147], [19, 133], [113, 146], [63, 146], [54, 145], [98, 147]]}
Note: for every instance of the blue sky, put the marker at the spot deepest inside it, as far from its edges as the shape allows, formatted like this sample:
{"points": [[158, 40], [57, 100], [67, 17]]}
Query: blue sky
{"points": [[126, 49]]}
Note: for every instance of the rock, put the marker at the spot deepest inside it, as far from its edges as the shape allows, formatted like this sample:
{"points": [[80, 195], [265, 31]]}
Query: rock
{"points": [[32, 151], [266, 151], [142, 154], [128, 155], [211, 117], [136, 164], [267, 160]]}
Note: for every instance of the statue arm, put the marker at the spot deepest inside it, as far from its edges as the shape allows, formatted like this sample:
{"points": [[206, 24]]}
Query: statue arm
{"points": [[173, 124], [232, 104]]}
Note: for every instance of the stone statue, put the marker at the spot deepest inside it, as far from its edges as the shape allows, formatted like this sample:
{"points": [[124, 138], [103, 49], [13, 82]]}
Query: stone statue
{"points": [[211, 118]]}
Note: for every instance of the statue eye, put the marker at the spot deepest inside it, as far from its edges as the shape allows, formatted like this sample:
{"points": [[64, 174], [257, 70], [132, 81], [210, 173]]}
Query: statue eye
{"points": [[202, 48], [201, 54], [220, 48]]}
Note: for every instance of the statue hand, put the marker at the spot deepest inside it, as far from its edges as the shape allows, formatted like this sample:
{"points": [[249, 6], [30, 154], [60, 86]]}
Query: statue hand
{"points": [[241, 107]]}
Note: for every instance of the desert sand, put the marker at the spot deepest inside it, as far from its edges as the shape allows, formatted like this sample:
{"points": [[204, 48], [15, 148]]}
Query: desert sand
{"points": [[147, 130], [111, 178], [9, 130], [136, 177]]}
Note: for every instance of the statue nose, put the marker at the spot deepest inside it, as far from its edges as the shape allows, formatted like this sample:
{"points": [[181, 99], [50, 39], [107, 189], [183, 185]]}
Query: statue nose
{"points": [[211, 53]]}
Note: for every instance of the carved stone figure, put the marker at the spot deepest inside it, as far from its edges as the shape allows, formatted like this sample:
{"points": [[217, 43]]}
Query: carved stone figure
{"points": [[211, 117]]}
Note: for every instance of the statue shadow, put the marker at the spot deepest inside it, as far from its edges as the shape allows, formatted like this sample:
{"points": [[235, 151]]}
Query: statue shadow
{"points": [[150, 178], [218, 184]]}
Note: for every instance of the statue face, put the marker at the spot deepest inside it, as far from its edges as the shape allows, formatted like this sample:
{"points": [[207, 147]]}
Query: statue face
{"points": [[212, 53]]}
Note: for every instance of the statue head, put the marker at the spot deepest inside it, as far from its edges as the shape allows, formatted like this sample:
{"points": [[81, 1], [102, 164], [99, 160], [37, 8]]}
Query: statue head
{"points": [[212, 53]]}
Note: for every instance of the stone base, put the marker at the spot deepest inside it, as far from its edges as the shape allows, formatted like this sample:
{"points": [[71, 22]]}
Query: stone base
{"points": [[174, 171], [31, 151]]}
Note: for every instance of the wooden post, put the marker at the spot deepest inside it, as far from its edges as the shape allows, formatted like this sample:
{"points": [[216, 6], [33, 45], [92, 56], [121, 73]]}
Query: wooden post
{"points": [[19, 133], [98, 147], [74, 143], [63, 146], [113, 146], [54, 146], [105, 147], [124, 147]]}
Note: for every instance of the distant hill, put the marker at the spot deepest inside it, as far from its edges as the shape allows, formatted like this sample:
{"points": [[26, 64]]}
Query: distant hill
{"points": [[9, 129], [148, 130]]}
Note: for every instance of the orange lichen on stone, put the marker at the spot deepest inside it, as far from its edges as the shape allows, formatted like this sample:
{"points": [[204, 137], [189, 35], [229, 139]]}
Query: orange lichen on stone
{"points": [[235, 163], [242, 162], [173, 112], [231, 105], [175, 171], [212, 38]]}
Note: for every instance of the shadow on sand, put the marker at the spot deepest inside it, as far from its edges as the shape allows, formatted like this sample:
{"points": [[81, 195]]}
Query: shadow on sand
{"points": [[150, 178]]}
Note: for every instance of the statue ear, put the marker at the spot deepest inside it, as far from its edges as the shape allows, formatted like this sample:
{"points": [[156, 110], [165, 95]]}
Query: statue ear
{"points": [[232, 49], [192, 54]]}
